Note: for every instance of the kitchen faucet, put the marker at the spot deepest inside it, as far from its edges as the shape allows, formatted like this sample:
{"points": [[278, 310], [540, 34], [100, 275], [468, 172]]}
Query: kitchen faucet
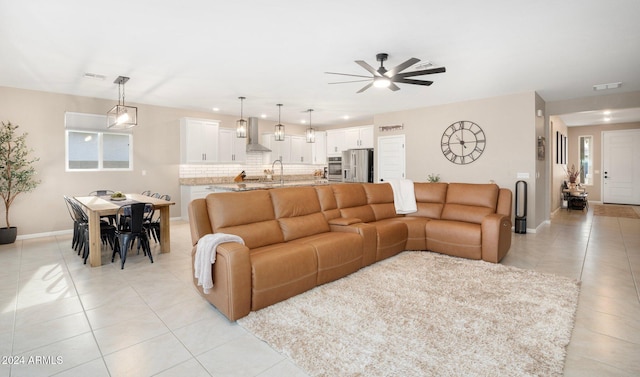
{"points": [[281, 170]]}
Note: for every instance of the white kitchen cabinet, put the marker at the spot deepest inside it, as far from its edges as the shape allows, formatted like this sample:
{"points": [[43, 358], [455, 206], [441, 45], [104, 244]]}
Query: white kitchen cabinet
{"points": [[198, 141], [189, 193], [279, 149], [319, 148], [300, 150], [294, 149], [230, 147], [341, 139], [335, 142], [358, 137]]}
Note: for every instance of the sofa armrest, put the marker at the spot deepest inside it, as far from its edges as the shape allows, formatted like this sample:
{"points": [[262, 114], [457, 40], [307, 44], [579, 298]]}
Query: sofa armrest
{"points": [[343, 221], [369, 239], [496, 237], [231, 292]]}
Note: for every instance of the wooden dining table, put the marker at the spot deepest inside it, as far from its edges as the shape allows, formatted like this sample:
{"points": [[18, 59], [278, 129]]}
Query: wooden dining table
{"points": [[97, 206]]}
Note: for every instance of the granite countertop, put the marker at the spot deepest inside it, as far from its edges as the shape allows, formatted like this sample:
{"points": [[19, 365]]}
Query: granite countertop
{"points": [[249, 185], [225, 184]]}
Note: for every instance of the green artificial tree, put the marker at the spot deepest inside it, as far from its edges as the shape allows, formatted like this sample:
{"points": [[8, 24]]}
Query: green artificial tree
{"points": [[17, 174]]}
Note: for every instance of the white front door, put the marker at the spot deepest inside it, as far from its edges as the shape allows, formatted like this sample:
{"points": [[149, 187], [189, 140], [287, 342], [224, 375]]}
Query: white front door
{"points": [[621, 167], [391, 157]]}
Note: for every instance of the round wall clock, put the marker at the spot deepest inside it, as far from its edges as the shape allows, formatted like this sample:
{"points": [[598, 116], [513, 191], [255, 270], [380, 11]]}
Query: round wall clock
{"points": [[463, 142]]}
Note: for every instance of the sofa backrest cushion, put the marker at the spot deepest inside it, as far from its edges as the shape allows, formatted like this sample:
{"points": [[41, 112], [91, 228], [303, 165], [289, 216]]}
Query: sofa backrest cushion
{"points": [[380, 198], [430, 199], [247, 214], [298, 212], [470, 202], [327, 201], [352, 201]]}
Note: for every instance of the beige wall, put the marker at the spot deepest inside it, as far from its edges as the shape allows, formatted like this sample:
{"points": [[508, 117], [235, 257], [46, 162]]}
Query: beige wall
{"points": [[511, 128]]}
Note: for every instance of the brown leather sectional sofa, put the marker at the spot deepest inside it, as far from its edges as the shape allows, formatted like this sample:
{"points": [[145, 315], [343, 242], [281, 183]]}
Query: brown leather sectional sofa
{"points": [[299, 237]]}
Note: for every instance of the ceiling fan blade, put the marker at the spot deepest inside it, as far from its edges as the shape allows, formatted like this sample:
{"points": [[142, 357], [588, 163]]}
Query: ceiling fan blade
{"points": [[344, 82], [365, 87], [401, 67], [369, 68], [422, 72], [347, 74], [413, 81], [393, 87]]}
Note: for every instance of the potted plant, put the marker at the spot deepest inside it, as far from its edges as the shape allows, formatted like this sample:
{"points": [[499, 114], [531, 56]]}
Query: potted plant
{"points": [[573, 174], [17, 174], [432, 178]]}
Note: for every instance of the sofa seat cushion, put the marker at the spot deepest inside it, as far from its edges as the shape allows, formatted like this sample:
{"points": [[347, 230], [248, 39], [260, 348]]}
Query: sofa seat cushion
{"points": [[338, 254], [416, 232], [281, 271], [392, 237], [455, 238]]}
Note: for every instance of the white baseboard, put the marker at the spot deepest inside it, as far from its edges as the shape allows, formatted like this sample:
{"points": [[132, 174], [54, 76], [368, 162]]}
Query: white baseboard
{"points": [[61, 232]]}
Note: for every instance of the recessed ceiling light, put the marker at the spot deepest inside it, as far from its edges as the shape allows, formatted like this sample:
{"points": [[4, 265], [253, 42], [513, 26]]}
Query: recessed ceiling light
{"points": [[263, 116], [216, 109], [607, 119], [345, 117], [611, 85], [94, 76], [303, 121], [607, 112], [423, 65]]}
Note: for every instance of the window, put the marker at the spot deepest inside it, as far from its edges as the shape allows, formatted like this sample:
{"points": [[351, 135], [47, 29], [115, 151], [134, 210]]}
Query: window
{"points": [[586, 159], [90, 146]]}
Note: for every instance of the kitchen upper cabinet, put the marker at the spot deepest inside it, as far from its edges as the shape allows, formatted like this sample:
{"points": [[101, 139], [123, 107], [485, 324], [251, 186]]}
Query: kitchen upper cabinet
{"points": [[335, 142], [279, 149], [341, 139], [294, 149], [300, 150], [358, 137], [230, 147], [198, 141], [319, 148]]}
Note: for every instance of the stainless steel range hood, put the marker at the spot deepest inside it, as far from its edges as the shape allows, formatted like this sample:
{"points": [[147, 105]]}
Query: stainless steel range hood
{"points": [[253, 144]]}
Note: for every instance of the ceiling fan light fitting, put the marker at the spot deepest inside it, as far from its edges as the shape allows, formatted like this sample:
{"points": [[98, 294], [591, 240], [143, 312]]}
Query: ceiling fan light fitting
{"points": [[381, 82]]}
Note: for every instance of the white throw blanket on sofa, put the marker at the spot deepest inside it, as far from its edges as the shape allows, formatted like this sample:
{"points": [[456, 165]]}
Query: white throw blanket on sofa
{"points": [[404, 197], [206, 257]]}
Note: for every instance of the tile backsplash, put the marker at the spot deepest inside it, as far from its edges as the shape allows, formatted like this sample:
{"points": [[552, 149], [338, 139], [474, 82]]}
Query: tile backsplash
{"points": [[253, 167]]}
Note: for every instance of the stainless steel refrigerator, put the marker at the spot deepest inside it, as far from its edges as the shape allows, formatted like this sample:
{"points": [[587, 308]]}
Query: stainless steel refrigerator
{"points": [[357, 165]]}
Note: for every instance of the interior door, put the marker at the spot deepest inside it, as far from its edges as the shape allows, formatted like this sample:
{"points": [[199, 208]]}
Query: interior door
{"points": [[621, 167], [391, 157]]}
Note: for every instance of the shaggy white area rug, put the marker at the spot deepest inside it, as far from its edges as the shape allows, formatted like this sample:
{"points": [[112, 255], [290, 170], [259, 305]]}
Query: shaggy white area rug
{"points": [[425, 314]]}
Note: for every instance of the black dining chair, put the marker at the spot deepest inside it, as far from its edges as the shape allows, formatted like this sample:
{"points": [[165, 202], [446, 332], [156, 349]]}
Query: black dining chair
{"points": [[153, 224], [80, 225], [81, 230], [130, 219]]}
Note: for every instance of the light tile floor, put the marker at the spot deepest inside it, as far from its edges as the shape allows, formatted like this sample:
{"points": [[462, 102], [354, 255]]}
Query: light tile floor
{"points": [[60, 317]]}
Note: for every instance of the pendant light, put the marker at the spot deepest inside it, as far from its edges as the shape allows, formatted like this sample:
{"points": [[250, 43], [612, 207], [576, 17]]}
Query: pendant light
{"points": [[311, 133], [122, 116], [241, 124], [279, 131]]}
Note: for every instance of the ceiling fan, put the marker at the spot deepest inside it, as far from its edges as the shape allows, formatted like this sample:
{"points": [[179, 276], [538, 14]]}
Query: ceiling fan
{"points": [[388, 78]]}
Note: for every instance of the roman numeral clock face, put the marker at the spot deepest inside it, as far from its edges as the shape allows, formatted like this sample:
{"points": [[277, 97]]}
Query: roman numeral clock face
{"points": [[463, 142]]}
